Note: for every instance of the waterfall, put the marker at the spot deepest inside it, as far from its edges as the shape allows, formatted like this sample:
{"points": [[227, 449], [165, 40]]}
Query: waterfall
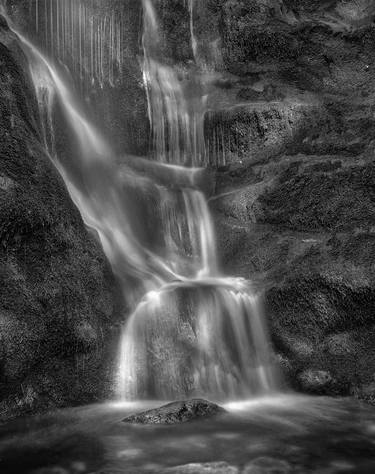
{"points": [[176, 108], [192, 330], [199, 338], [202, 336]]}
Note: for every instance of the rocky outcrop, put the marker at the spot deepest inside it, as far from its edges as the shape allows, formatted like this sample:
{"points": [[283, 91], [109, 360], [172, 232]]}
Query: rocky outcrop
{"points": [[176, 412], [56, 289]]}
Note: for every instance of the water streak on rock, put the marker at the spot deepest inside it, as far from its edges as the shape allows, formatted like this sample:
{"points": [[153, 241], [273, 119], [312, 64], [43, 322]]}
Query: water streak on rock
{"points": [[90, 44]]}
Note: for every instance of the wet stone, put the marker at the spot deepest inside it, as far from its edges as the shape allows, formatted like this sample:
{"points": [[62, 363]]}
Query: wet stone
{"points": [[176, 412], [205, 468]]}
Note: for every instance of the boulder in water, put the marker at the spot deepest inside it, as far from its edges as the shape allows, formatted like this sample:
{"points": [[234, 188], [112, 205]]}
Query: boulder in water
{"points": [[176, 412], [205, 468]]}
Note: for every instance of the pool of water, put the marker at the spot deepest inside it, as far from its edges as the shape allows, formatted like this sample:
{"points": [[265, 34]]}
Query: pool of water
{"points": [[280, 434]]}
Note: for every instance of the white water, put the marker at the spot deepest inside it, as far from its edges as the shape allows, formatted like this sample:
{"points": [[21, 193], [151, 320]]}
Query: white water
{"points": [[203, 339], [176, 107], [192, 331], [203, 336]]}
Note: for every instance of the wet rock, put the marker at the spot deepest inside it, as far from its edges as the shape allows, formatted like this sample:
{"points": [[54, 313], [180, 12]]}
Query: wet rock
{"points": [[311, 247], [204, 468], [177, 412], [266, 465], [367, 392], [317, 381], [56, 300]]}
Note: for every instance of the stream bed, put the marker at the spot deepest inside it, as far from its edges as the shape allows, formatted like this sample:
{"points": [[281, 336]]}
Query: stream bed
{"points": [[278, 434]]}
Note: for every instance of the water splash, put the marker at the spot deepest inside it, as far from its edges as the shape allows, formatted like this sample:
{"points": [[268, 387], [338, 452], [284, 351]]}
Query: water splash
{"points": [[202, 338]]}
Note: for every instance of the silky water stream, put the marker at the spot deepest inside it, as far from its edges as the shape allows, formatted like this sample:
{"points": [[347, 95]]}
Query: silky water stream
{"points": [[192, 331]]}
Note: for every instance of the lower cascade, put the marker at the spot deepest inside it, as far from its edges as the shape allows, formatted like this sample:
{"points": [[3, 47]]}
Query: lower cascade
{"points": [[196, 338], [192, 331]]}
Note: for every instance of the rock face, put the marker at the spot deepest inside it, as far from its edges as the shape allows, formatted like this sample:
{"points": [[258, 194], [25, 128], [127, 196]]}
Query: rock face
{"points": [[176, 412], [301, 216], [56, 297]]}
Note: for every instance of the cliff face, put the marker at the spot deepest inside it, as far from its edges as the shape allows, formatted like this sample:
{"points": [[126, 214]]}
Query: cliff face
{"points": [[300, 215], [290, 131], [56, 289]]}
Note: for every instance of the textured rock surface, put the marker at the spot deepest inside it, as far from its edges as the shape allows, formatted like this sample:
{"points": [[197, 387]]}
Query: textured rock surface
{"points": [[176, 412], [298, 214], [56, 300]]}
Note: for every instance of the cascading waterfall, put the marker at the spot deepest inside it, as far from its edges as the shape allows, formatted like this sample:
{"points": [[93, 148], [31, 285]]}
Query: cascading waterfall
{"points": [[204, 335], [192, 331]]}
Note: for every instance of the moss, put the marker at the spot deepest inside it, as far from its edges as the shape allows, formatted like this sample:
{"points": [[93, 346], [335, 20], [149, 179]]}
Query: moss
{"points": [[56, 288], [320, 200]]}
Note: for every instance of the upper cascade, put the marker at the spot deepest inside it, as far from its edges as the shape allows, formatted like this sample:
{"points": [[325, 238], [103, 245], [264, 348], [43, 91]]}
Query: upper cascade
{"points": [[90, 44], [176, 105]]}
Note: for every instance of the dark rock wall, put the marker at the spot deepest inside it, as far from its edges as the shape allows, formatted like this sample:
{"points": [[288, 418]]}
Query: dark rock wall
{"points": [[300, 216], [57, 337]]}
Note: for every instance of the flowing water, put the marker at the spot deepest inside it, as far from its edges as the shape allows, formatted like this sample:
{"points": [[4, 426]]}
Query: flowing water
{"points": [[205, 335], [276, 435]]}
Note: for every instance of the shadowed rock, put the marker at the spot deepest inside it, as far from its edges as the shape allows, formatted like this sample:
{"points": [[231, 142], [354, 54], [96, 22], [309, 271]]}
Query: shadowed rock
{"points": [[56, 298], [176, 412]]}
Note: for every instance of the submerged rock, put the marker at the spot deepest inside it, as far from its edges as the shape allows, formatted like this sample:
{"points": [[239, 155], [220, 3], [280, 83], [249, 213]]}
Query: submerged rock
{"points": [[204, 468], [176, 412]]}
